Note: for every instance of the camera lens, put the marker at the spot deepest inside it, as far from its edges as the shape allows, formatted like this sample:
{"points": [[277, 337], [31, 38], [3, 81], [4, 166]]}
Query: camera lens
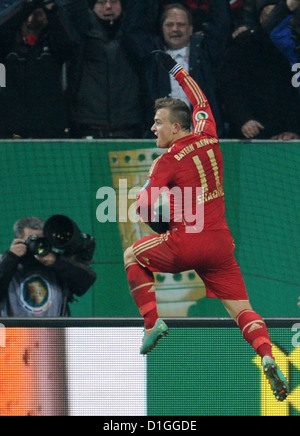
{"points": [[37, 245]]}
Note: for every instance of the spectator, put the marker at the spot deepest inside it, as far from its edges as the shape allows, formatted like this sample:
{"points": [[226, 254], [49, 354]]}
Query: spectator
{"points": [[259, 99], [283, 26], [200, 10], [35, 285], [200, 54], [106, 86], [246, 18], [35, 42]]}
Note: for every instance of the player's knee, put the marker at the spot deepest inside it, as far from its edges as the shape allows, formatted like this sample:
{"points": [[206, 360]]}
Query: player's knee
{"points": [[129, 257]]}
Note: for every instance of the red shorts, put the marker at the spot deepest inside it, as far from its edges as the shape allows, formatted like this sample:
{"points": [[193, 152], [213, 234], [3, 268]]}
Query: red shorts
{"points": [[209, 253]]}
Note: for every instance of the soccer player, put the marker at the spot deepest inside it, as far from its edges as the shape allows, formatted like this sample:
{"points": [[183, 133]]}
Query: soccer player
{"points": [[198, 237]]}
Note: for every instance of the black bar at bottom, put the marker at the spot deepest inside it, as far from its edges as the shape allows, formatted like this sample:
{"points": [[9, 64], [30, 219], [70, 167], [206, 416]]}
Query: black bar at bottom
{"points": [[135, 322]]}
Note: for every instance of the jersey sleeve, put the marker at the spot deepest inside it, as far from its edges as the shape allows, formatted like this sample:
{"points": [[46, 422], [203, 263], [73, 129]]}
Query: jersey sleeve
{"points": [[203, 119], [157, 182]]}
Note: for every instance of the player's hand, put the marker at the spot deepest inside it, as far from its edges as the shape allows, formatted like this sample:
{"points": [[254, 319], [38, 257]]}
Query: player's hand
{"points": [[164, 59]]}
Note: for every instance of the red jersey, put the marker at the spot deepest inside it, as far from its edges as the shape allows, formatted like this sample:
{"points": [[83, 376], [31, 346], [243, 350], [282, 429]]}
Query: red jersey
{"points": [[191, 170]]}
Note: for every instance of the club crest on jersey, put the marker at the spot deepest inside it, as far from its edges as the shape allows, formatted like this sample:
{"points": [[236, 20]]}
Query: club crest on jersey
{"points": [[201, 115]]}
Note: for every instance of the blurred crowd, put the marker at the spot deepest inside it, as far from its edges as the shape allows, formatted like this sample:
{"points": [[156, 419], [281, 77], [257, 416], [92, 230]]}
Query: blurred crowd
{"points": [[84, 69]]}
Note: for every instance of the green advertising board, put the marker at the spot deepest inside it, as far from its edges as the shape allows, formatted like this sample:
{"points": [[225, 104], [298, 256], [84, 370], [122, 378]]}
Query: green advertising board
{"points": [[261, 181]]}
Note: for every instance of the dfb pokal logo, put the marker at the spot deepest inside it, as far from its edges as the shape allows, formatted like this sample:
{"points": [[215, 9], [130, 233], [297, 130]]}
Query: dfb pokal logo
{"points": [[2, 76]]}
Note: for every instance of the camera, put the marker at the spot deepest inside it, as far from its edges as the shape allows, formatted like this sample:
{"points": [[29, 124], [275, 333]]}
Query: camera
{"points": [[62, 235], [37, 245]]}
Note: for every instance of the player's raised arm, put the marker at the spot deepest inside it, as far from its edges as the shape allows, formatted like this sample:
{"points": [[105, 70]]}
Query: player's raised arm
{"points": [[203, 118]]}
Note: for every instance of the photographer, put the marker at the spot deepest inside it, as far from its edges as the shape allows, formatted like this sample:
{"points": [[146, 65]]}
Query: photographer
{"points": [[39, 285]]}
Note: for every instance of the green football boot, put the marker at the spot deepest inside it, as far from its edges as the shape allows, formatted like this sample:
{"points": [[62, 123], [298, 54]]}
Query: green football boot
{"points": [[152, 336], [277, 380]]}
